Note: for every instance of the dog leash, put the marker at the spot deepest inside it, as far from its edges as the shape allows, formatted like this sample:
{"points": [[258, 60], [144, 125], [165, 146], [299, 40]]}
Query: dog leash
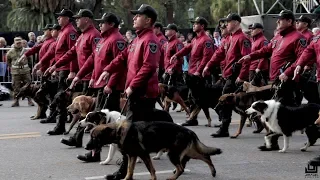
{"points": [[123, 108]]}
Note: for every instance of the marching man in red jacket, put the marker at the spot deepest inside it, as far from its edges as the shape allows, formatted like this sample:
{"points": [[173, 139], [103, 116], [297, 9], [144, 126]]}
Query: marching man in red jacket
{"points": [[234, 72], [109, 46], [142, 61]]}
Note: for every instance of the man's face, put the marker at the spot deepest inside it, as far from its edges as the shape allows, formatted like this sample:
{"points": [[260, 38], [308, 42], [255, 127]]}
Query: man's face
{"points": [[190, 36], [105, 26], [156, 30], [231, 25], [255, 31], [82, 22], [32, 36], [39, 38], [128, 35], [140, 21], [283, 24], [170, 32], [182, 38], [63, 20], [224, 31], [54, 33], [18, 44], [301, 25], [197, 27], [216, 35], [46, 33]]}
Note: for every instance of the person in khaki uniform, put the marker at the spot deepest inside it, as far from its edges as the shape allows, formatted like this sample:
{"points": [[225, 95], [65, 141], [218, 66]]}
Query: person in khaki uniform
{"points": [[20, 70]]}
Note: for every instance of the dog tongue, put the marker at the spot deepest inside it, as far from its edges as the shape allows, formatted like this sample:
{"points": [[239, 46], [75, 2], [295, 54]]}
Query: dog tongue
{"points": [[93, 152]]}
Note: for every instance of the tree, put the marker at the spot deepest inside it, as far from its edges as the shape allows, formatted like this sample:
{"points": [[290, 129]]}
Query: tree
{"points": [[5, 7], [32, 15]]}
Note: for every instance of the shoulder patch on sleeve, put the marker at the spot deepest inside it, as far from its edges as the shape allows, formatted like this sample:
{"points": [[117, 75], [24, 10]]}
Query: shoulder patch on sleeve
{"points": [[96, 40], [153, 47], [246, 43], [315, 38], [208, 44], [179, 46], [73, 36], [303, 42], [121, 45], [265, 43]]}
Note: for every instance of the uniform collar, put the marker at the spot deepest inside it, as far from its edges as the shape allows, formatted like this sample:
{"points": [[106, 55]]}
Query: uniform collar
{"points": [[237, 32], [88, 28], [287, 31], [141, 32], [257, 36], [159, 35], [66, 26], [174, 37], [304, 31], [110, 31], [200, 34]]}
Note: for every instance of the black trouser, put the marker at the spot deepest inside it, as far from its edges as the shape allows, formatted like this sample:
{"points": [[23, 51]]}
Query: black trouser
{"points": [[309, 87], [160, 73], [260, 78], [62, 77]]}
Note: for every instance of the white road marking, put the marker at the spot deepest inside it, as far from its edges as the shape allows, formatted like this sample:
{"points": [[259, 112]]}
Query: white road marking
{"points": [[137, 174]]}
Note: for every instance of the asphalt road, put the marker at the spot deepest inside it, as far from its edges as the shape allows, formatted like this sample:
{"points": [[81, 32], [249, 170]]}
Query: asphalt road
{"points": [[28, 153]]}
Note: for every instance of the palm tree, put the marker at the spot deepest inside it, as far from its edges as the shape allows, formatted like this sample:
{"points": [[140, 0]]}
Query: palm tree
{"points": [[32, 15]]}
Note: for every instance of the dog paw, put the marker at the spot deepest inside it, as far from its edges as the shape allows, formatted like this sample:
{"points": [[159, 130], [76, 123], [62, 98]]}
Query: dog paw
{"points": [[104, 163], [234, 136], [282, 150], [155, 158], [304, 149]]}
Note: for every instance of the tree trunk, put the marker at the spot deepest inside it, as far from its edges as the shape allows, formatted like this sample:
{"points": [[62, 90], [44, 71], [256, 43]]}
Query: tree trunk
{"points": [[169, 7], [128, 5], [97, 8]]}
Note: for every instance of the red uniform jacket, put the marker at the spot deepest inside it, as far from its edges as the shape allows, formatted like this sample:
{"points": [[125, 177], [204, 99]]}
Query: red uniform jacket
{"points": [[311, 54], [259, 41], [163, 40], [48, 58], [239, 46], [286, 46], [308, 35], [83, 48], [66, 39], [202, 49], [40, 48], [142, 58], [170, 48], [111, 44], [225, 45]]}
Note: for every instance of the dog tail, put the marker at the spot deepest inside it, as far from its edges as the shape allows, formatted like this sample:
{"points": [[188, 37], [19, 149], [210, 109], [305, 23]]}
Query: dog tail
{"points": [[203, 149]]}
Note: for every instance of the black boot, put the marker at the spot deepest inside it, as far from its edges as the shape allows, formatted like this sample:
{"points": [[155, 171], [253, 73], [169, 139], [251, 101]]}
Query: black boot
{"points": [[89, 158], [174, 106], [192, 122], [61, 123], [122, 171], [51, 118], [223, 131], [315, 161], [274, 144], [76, 139]]}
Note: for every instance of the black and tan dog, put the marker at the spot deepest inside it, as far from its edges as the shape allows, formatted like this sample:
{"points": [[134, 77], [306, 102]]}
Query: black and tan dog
{"points": [[241, 102], [31, 90], [174, 94], [139, 139]]}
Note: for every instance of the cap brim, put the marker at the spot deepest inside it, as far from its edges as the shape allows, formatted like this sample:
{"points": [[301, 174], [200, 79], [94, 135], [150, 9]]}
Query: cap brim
{"points": [[99, 20], [76, 16], [44, 29]]}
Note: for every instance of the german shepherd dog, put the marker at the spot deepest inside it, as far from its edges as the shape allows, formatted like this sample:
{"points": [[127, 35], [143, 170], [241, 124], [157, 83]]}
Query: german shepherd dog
{"points": [[205, 96], [31, 90], [241, 102], [174, 94], [139, 139]]}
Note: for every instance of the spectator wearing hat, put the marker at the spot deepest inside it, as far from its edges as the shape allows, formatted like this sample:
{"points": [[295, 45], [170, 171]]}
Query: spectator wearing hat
{"points": [[20, 70], [259, 69], [201, 50], [158, 28], [303, 23], [110, 45], [234, 72], [42, 47], [141, 59], [66, 40], [173, 71], [85, 46], [285, 48]]}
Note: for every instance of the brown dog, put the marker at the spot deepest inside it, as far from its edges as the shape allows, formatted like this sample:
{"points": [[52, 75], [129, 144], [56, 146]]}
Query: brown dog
{"points": [[248, 87], [241, 101], [171, 94], [80, 107]]}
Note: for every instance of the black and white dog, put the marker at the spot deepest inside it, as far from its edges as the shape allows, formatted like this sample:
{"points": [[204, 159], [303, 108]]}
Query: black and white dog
{"points": [[285, 120]]}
